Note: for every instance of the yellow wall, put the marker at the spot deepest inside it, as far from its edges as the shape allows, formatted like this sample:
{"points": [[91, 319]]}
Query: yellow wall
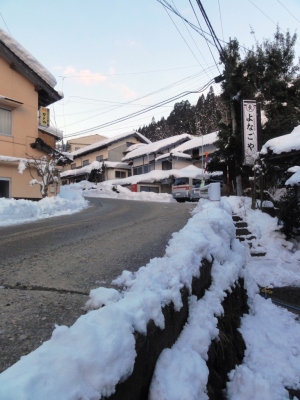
{"points": [[24, 130]]}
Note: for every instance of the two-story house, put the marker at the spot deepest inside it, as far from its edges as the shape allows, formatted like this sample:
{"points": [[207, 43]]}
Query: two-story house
{"points": [[25, 87], [89, 159]]}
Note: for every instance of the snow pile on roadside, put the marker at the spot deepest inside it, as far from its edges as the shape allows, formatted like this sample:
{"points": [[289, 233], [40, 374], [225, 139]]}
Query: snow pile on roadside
{"points": [[282, 261], [108, 189], [271, 334], [69, 201], [101, 343]]}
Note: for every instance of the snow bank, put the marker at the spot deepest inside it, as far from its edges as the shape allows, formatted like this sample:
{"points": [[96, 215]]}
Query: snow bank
{"points": [[271, 333], [68, 201], [99, 349], [109, 189]]}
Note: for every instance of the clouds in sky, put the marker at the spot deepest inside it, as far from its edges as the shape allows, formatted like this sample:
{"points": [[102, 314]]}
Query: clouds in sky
{"points": [[84, 76]]}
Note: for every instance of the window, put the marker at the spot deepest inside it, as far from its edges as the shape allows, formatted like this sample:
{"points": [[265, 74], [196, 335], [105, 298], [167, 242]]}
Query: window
{"points": [[99, 158], [73, 166], [5, 122], [137, 171], [166, 165], [151, 189], [181, 181], [197, 183], [195, 153], [120, 174], [85, 162]]}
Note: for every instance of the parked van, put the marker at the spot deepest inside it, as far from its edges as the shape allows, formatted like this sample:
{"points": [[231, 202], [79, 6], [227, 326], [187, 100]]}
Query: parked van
{"points": [[185, 189], [189, 189]]}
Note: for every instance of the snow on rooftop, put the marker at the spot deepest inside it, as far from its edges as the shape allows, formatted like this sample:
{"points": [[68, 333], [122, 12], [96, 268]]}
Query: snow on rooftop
{"points": [[106, 142], [51, 130], [293, 169], [283, 144], [294, 179], [94, 165], [27, 58], [173, 154], [135, 146], [196, 142], [158, 175], [157, 146]]}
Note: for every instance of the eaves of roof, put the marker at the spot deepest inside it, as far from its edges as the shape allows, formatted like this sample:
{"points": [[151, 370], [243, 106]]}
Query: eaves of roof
{"points": [[104, 145], [47, 94]]}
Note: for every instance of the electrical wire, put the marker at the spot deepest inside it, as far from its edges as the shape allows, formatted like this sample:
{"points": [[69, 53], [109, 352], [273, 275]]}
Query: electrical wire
{"points": [[269, 18], [139, 98], [183, 37], [288, 11], [204, 36], [5, 24], [129, 73], [221, 19], [212, 32], [147, 109], [165, 4], [186, 27]]}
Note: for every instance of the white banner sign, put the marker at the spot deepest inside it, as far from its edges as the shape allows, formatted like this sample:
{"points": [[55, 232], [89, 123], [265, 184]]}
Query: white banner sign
{"points": [[250, 131]]}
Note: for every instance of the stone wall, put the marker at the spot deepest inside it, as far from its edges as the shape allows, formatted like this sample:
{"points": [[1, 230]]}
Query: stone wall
{"points": [[223, 353]]}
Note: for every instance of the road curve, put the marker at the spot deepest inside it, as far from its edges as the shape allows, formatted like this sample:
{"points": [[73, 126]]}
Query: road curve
{"points": [[48, 266]]}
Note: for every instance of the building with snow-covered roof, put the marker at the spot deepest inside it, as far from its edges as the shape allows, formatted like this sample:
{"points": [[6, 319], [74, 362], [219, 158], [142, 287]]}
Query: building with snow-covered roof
{"points": [[285, 147], [110, 150], [175, 152], [25, 87], [83, 141], [199, 148], [157, 155]]}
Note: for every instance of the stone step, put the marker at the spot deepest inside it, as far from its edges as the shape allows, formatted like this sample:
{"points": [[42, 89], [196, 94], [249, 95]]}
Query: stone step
{"points": [[262, 254], [246, 238], [241, 224], [236, 218], [242, 232]]}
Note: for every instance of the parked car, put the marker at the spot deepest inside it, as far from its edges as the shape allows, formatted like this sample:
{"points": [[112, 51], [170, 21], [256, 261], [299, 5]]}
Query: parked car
{"points": [[183, 189], [191, 189]]}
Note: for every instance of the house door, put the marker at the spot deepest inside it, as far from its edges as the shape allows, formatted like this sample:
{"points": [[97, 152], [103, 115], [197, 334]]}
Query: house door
{"points": [[4, 187]]}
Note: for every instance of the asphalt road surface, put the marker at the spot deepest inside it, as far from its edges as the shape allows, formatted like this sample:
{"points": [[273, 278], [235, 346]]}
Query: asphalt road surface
{"points": [[48, 267]]}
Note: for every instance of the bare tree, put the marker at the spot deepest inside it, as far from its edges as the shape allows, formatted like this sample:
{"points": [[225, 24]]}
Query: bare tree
{"points": [[46, 170]]}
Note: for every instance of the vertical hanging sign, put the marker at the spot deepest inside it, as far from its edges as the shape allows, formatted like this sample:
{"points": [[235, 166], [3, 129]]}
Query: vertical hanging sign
{"points": [[44, 116], [250, 131]]}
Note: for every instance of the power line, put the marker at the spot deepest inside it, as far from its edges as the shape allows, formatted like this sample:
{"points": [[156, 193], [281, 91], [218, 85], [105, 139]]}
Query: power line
{"points": [[221, 19], [212, 32], [147, 109], [207, 42], [288, 11], [269, 18], [5, 24], [139, 98], [182, 37], [186, 27], [129, 73], [165, 4]]}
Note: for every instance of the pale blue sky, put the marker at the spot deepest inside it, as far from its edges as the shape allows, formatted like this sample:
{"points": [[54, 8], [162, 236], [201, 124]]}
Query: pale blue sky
{"points": [[103, 48]]}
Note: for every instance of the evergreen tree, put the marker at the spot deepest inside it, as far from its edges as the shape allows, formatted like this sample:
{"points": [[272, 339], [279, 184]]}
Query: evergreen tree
{"points": [[267, 74], [182, 118]]}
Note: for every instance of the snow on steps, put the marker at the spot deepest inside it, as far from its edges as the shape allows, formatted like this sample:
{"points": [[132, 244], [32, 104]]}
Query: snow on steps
{"points": [[244, 235]]}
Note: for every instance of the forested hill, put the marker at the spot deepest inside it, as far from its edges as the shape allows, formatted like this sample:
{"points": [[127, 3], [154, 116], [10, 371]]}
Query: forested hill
{"points": [[196, 120]]}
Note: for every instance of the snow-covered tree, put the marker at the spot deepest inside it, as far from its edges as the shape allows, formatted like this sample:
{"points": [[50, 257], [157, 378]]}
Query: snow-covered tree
{"points": [[268, 74], [45, 168]]}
